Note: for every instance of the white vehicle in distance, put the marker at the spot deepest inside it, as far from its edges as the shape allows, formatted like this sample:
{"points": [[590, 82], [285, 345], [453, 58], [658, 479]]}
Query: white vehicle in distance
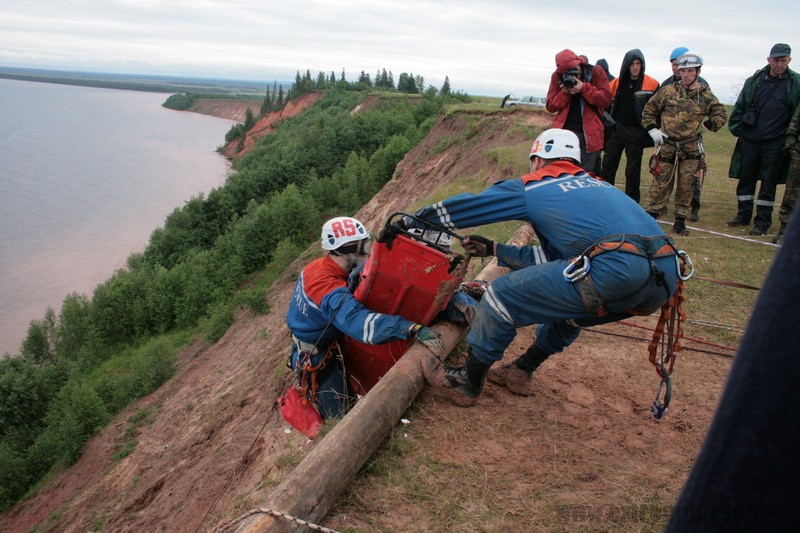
{"points": [[535, 101]]}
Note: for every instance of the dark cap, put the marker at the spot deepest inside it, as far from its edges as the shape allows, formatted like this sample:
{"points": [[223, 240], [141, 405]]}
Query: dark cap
{"points": [[780, 50]]}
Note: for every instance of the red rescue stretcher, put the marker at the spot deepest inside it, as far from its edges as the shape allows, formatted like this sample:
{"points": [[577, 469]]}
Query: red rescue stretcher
{"points": [[411, 273]]}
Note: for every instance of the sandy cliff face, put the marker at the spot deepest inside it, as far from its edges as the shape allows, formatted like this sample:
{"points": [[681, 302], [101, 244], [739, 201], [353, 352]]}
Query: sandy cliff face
{"points": [[228, 109], [266, 124]]}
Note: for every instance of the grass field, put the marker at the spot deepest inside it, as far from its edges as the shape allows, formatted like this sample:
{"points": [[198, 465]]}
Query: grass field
{"points": [[717, 313]]}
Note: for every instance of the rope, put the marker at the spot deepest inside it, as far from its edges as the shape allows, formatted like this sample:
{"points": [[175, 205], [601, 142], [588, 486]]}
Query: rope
{"points": [[687, 348], [687, 338], [238, 468], [720, 234], [276, 514], [738, 329], [728, 283]]}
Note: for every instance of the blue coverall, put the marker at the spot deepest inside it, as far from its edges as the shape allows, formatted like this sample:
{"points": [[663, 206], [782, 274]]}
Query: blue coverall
{"points": [[570, 211], [322, 308]]}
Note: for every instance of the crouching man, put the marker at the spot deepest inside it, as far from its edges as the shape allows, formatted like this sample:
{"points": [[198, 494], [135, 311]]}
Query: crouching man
{"points": [[602, 258]]}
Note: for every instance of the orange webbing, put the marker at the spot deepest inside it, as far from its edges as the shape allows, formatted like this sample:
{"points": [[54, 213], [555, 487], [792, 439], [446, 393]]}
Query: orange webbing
{"points": [[310, 372], [672, 309]]}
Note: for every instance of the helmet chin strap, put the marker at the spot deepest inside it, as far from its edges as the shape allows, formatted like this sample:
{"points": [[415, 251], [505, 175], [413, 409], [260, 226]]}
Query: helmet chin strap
{"points": [[347, 261]]}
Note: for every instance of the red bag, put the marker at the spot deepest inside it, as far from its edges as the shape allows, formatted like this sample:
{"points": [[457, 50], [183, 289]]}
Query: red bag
{"points": [[304, 418]]}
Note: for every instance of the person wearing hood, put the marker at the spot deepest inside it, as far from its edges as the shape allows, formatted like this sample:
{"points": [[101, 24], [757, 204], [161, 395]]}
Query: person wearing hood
{"points": [[631, 91], [604, 65], [578, 94]]}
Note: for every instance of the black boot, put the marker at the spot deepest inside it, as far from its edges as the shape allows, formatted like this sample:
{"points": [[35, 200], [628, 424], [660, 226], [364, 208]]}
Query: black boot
{"points": [[695, 214], [779, 236], [517, 376], [680, 226], [459, 384]]}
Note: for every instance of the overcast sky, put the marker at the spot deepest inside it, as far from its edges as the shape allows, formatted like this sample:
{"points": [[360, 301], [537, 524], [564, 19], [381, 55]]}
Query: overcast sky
{"points": [[485, 47]]}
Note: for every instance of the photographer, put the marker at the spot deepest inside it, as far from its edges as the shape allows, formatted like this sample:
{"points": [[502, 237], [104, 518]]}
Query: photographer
{"points": [[578, 93]]}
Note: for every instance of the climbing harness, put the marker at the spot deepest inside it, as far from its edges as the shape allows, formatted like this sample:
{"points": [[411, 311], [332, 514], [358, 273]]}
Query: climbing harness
{"points": [[671, 319], [578, 268], [672, 314]]}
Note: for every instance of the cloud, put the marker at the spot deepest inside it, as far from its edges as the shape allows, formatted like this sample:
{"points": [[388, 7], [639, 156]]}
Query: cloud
{"points": [[485, 48]]}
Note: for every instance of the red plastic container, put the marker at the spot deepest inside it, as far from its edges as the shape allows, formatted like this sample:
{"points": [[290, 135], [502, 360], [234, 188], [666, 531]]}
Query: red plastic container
{"points": [[403, 277]]}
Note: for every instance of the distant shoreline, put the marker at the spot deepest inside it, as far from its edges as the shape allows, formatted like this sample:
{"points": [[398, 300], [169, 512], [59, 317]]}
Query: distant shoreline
{"points": [[144, 83]]}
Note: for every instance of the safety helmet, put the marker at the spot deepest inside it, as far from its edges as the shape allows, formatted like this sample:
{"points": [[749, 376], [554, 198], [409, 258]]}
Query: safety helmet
{"points": [[690, 60], [557, 144], [678, 52], [340, 231]]}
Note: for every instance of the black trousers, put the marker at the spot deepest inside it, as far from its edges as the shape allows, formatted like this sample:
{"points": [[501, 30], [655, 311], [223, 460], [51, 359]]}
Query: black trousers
{"points": [[762, 160], [629, 138]]}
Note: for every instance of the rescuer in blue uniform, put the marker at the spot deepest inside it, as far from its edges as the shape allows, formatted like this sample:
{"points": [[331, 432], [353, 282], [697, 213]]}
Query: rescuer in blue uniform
{"points": [[602, 258], [323, 308]]}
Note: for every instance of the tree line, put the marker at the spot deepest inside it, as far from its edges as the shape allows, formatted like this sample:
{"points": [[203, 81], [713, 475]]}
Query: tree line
{"points": [[81, 365]]}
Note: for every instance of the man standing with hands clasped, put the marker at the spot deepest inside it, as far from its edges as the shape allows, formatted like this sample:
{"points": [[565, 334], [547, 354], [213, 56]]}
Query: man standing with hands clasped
{"points": [[683, 110], [759, 120]]}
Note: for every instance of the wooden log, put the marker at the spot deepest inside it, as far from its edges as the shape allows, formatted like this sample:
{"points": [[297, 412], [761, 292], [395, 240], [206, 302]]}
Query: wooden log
{"points": [[312, 488]]}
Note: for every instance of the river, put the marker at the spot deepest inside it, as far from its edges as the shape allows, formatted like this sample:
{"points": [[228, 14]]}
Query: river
{"points": [[86, 175]]}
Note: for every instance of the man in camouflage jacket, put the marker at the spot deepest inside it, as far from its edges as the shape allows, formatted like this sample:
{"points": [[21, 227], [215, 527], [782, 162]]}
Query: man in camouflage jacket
{"points": [[793, 177], [683, 110]]}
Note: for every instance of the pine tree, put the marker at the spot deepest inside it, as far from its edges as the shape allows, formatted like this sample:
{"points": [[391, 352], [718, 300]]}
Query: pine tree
{"points": [[266, 105], [445, 90]]}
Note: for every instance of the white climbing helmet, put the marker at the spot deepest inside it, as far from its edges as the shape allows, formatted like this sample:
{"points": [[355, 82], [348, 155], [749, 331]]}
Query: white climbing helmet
{"points": [[339, 231], [557, 144], [690, 60]]}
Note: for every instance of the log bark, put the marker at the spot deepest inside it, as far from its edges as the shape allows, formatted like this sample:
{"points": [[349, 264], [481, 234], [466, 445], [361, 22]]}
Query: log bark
{"points": [[312, 488]]}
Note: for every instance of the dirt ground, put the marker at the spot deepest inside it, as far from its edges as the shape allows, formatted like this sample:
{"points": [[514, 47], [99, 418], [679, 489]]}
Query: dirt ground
{"points": [[580, 454]]}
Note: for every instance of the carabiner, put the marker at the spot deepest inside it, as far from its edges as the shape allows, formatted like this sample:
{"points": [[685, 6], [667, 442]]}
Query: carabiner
{"points": [[573, 272], [683, 256], [658, 409]]}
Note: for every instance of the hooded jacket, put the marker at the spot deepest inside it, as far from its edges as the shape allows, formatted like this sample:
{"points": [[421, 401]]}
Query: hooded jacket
{"points": [[604, 64], [644, 83], [595, 96]]}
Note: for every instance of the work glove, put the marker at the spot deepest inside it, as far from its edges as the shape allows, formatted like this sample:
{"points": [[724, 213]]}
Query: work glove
{"points": [[658, 136], [478, 246], [429, 338]]}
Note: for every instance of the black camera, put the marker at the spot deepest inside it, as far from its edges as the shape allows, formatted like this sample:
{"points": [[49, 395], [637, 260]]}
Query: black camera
{"points": [[570, 78]]}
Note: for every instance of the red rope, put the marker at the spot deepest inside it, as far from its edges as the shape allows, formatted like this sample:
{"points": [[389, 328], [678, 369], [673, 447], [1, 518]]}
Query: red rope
{"points": [[698, 341]]}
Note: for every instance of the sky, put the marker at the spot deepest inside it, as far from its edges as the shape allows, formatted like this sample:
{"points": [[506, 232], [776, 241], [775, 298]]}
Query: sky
{"points": [[490, 48]]}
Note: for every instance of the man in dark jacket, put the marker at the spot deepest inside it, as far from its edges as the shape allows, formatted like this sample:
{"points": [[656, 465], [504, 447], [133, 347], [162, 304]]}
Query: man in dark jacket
{"points": [[578, 94], [631, 91], [602, 63], [759, 120]]}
